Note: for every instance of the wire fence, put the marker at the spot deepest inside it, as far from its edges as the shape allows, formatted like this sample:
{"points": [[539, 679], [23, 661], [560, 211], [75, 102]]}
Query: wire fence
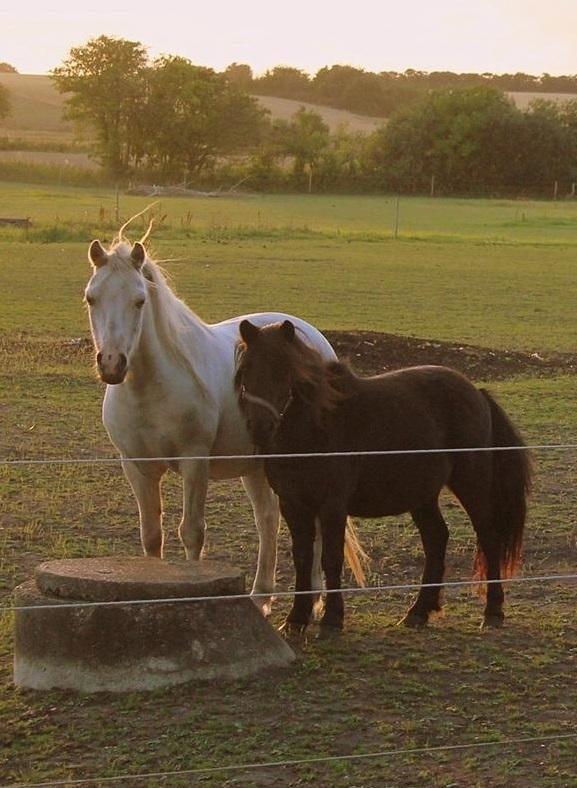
{"points": [[287, 456], [375, 589], [243, 767]]}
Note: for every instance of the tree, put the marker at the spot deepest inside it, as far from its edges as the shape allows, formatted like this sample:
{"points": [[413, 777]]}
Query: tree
{"points": [[240, 75], [466, 138], [106, 81], [5, 105], [305, 137], [6, 68], [284, 82], [192, 115]]}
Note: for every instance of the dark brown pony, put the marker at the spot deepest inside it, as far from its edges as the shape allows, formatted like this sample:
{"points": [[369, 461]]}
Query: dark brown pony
{"points": [[295, 403]]}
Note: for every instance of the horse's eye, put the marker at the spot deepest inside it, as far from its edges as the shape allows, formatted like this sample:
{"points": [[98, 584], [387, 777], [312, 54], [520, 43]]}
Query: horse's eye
{"points": [[140, 303]]}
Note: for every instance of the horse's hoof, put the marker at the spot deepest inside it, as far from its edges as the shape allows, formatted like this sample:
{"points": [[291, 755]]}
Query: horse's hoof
{"points": [[264, 604], [292, 629], [414, 621], [493, 621], [328, 632]]}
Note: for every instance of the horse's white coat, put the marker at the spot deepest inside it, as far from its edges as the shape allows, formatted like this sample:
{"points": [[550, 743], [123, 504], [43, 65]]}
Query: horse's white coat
{"points": [[176, 398]]}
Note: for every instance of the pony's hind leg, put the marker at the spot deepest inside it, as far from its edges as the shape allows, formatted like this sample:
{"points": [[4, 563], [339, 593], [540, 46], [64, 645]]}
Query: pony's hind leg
{"points": [[267, 518], [145, 482], [472, 484], [434, 537]]}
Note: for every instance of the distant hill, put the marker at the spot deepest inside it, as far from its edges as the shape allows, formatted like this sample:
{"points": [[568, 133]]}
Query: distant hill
{"points": [[286, 108], [36, 104], [38, 109]]}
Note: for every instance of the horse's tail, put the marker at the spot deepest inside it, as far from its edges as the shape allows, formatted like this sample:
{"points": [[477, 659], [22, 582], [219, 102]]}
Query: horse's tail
{"points": [[511, 485], [355, 556]]}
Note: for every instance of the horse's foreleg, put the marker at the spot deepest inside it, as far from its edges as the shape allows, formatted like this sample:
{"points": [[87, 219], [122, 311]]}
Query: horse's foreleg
{"points": [[302, 529], [266, 515], [145, 482], [434, 536], [333, 526], [194, 487]]}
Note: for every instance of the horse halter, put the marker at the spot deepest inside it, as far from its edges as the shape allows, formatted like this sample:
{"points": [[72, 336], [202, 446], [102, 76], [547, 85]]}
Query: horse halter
{"points": [[245, 396]]}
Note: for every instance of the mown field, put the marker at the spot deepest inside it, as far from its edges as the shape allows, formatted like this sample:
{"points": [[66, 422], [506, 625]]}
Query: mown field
{"points": [[496, 274]]}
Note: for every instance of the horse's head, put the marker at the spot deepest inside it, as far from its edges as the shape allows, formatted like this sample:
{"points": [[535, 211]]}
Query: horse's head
{"points": [[115, 295], [264, 377]]}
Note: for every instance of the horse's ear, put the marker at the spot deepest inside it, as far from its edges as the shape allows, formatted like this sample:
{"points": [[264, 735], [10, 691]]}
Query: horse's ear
{"points": [[138, 255], [248, 331], [288, 330], [97, 255]]}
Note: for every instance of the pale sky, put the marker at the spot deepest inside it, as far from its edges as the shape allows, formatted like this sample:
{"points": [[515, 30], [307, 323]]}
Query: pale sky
{"points": [[379, 35]]}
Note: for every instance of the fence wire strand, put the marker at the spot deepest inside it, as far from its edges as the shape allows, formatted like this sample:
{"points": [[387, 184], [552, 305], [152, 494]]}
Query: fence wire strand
{"points": [[278, 456], [352, 590], [302, 761]]}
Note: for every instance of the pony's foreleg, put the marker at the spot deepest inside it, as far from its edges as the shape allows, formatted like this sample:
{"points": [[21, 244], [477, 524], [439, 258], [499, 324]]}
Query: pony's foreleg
{"points": [[194, 488], [266, 515], [145, 482], [434, 536], [302, 529], [333, 526]]}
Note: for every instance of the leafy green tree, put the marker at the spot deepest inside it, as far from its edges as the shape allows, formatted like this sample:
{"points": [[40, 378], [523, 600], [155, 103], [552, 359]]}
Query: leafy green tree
{"points": [[240, 75], [193, 115], [304, 138], [466, 138], [284, 82], [105, 80], [5, 105], [6, 68]]}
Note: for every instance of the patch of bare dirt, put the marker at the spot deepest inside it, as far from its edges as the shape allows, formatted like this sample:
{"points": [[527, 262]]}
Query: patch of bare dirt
{"points": [[372, 352]]}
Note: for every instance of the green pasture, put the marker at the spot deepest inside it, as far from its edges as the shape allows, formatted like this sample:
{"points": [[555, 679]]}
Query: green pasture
{"points": [[465, 271], [363, 217]]}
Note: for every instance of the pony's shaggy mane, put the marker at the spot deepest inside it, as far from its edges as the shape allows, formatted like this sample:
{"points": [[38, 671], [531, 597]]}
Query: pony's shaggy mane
{"points": [[320, 385]]}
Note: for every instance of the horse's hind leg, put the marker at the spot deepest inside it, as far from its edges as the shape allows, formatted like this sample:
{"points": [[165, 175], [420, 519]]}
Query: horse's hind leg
{"points": [[145, 482], [471, 483], [434, 536], [266, 515]]}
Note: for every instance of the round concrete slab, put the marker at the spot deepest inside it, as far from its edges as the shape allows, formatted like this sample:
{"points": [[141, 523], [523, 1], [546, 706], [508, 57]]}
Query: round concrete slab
{"points": [[62, 643], [109, 579]]}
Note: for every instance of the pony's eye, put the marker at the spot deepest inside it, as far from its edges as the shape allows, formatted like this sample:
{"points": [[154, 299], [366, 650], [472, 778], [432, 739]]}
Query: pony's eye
{"points": [[140, 303]]}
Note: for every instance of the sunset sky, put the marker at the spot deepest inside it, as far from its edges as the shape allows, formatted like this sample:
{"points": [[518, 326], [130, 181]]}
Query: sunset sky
{"points": [[457, 35]]}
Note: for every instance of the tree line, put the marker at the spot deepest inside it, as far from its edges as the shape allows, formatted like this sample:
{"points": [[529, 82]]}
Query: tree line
{"points": [[381, 94], [172, 121]]}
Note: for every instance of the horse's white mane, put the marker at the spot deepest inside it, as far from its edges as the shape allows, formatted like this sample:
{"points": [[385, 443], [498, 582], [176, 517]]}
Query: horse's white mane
{"points": [[175, 322]]}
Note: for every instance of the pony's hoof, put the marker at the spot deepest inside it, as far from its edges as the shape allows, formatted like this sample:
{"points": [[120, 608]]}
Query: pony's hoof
{"points": [[328, 632], [264, 604], [414, 621], [493, 621], [292, 629]]}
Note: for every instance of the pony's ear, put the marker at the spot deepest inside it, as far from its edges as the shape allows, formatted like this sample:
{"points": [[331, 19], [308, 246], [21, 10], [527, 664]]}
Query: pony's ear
{"points": [[288, 330], [248, 331], [138, 255], [97, 255]]}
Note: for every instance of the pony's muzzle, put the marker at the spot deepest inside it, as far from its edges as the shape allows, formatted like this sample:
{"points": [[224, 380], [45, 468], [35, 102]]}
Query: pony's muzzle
{"points": [[111, 367]]}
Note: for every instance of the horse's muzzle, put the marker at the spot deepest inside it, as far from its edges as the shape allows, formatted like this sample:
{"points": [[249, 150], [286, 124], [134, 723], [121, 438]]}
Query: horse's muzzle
{"points": [[112, 371]]}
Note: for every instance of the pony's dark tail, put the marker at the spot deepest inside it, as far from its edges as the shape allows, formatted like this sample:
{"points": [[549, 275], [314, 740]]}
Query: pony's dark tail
{"points": [[511, 485]]}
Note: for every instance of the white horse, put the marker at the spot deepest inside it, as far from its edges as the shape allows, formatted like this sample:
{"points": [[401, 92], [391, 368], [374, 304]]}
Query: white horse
{"points": [[170, 393]]}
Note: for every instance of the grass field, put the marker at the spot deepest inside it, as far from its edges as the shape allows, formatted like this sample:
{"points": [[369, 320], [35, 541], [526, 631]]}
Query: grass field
{"points": [[496, 274]]}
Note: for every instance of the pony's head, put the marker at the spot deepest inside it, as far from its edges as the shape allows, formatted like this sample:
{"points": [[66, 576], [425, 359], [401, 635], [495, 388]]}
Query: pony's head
{"points": [[274, 368], [116, 296]]}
